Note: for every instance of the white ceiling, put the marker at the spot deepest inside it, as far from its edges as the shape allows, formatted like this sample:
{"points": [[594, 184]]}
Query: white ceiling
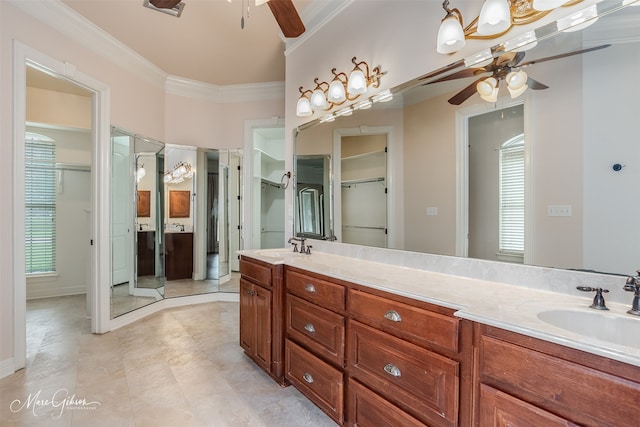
{"points": [[205, 43]]}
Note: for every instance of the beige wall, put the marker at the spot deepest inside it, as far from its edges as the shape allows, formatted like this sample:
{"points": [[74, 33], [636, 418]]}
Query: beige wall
{"points": [[138, 103]]}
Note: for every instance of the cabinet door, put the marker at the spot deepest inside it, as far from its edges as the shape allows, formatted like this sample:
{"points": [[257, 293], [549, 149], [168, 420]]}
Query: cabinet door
{"points": [[500, 409], [262, 304], [247, 318]]}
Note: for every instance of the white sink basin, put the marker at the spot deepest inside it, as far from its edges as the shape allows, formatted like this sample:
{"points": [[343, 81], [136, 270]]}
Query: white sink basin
{"points": [[603, 326], [279, 253]]}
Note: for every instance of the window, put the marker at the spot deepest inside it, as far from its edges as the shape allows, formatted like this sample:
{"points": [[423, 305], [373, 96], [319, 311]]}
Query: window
{"points": [[40, 204], [512, 200]]}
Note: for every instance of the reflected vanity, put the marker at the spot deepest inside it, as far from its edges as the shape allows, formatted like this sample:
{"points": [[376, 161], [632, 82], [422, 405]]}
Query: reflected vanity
{"points": [[578, 208]]}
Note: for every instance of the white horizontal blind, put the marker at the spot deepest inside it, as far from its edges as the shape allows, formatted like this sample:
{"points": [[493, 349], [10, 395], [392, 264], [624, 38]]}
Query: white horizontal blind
{"points": [[40, 206], [512, 196]]}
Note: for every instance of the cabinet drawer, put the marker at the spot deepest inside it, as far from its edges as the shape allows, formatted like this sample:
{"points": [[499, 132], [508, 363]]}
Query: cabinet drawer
{"points": [[321, 292], [500, 409], [584, 395], [317, 380], [320, 330], [424, 383], [256, 272], [406, 321], [366, 409]]}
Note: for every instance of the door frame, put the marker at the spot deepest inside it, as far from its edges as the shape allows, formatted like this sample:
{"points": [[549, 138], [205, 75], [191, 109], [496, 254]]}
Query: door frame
{"points": [[462, 170], [100, 262]]}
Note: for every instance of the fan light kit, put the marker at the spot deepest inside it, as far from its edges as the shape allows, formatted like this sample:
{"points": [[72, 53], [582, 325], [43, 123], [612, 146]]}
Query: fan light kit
{"points": [[325, 95], [497, 17]]}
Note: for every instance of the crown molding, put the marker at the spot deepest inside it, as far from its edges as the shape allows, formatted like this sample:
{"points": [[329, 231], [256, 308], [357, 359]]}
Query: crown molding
{"points": [[62, 18], [249, 92], [315, 16]]}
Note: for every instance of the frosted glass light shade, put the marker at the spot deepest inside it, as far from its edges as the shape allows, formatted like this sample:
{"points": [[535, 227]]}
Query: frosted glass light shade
{"points": [[516, 79], [488, 89], [547, 4], [631, 3], [495, 17], [303, 108], [357, 83], [450, 35], [318, 100], [336, 93], [521, 43]]}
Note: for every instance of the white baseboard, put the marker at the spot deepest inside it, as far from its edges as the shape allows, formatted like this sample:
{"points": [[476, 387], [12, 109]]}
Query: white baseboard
{"points": [[6, 368], [150, 309], [36, 292]]}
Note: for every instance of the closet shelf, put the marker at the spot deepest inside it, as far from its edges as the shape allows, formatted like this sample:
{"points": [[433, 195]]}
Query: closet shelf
{"points": [[363, 155]]}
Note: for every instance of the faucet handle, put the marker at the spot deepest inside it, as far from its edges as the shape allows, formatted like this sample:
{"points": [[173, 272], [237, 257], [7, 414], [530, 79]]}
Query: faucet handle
{"points": [[598, 300], [295, 247]]}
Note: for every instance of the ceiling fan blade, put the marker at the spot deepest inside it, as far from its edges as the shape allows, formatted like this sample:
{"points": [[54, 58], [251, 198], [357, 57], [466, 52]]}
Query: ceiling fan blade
{"points": [[164, 4], [465, 93], [563, 55], [536, 85], [287, 17], [467, 72]]}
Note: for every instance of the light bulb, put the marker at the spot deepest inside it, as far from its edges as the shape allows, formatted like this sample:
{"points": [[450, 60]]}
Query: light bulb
{"points": [[357, 82], [450, 35], [495, 17], [336, 93], [303, 108], [318, 100]]}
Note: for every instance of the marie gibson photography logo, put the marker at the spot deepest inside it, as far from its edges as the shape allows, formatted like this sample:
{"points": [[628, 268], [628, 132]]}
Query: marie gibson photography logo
{"points": [[61, 400]]}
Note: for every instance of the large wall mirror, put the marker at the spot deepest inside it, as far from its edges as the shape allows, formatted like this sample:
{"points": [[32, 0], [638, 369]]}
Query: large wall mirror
{"points": [[545, 178], [172, 211]]}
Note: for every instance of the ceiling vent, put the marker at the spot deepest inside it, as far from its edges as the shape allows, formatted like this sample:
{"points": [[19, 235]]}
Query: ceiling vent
{"points": [[173, 11]]}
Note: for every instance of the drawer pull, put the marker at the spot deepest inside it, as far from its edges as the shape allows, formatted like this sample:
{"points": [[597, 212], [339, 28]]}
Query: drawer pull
{"points": [[392, 369], [308, 378], [310, 288], [309, 328], [393, 316]]}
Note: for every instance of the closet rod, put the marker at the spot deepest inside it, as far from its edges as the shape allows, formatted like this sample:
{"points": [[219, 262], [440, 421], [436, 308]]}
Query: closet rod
{"points": [[364, 227]]}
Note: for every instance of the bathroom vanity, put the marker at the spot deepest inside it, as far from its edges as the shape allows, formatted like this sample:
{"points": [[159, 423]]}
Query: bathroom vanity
{"points": [[377, 344], [178, 255]]}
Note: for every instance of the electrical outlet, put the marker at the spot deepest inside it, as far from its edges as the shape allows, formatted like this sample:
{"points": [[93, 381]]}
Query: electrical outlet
{"points": [[432, 211], [559, 210]]}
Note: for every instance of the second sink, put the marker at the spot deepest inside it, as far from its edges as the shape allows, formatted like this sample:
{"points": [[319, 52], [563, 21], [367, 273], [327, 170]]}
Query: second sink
{"points": [[620, 330]]}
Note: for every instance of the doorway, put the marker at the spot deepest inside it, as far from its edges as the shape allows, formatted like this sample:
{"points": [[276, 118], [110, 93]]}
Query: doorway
{"points": [[494, 161], [92, 107]]}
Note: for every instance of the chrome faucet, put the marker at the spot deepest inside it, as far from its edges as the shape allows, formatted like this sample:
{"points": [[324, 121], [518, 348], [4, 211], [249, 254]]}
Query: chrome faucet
{"points": [[633, 285], [303, 249]]}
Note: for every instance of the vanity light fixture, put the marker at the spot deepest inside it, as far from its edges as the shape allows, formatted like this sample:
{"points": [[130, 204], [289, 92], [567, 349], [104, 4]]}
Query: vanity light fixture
{"points": [[325, 95], [496, 18], [179, 173], [140, 173]]}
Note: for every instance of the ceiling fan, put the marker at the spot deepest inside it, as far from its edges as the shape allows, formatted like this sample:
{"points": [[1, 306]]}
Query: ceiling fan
{"points": [[503, 67], [283, 11]]}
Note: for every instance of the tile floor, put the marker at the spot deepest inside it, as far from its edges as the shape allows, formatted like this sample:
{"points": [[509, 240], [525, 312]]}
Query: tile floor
{"points": [[180, 367]]}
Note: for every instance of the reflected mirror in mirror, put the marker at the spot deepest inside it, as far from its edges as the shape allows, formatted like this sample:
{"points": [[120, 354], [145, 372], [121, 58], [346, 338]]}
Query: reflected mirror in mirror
{"points": [[574, 139], [313, 175], [157, 254]]}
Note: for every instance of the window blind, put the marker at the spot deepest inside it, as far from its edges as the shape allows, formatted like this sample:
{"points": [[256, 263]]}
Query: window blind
{"points": [[512, 196], [40, 206]]}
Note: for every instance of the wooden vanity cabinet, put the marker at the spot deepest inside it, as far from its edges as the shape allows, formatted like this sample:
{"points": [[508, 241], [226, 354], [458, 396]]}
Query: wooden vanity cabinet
{"points": [[178, 256], [315, 339], [525, 381], [413, 355], [262, 315]]}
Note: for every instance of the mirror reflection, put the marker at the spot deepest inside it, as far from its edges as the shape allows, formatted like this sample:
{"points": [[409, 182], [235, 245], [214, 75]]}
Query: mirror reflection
{"points": [[544, 178], [171, 220]]}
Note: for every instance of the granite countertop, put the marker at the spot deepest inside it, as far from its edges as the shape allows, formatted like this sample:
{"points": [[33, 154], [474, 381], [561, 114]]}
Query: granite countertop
{"points": [[510, 307]]}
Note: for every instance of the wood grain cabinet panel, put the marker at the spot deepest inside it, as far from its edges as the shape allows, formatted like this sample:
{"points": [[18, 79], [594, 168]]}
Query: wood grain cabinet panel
{"points": [[422, 382], [498, 409], [256, 272], [320, 330], [321, 292], [367, 409], [585, 395], [178, 256], [319, 381], [406, 321]]}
